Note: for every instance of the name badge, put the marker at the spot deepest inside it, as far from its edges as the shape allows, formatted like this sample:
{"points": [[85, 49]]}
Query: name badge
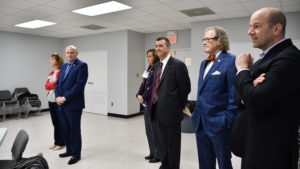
{"points": [[145, 74]]}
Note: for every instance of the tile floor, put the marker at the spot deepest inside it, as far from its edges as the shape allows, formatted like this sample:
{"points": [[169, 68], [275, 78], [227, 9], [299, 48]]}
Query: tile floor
{"points": [[108, 143]]}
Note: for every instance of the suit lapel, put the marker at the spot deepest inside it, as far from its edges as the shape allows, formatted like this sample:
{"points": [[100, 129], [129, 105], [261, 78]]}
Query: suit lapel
{"points": [[214, 67], [201, 73], [166, 70], [70, 70], [261, 65]]}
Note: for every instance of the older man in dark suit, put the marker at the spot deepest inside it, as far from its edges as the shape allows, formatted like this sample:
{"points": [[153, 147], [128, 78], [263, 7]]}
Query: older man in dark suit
{"points": [[171, 87], [69, 94], [269, 91]]}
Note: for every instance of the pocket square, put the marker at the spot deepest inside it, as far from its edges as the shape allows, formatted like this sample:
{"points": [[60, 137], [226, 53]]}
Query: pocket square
{"points": [[216, 73]]}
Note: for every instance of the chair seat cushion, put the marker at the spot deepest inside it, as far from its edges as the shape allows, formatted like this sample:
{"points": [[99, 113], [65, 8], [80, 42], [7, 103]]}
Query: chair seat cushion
{"points": [[7, 164]]}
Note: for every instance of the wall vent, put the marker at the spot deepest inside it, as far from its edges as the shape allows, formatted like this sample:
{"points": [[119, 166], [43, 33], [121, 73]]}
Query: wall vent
{"points": [[93, 27]]}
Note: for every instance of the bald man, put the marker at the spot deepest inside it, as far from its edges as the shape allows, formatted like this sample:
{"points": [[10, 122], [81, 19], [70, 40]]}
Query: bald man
{"points": [[269, 93], [69, 94]]}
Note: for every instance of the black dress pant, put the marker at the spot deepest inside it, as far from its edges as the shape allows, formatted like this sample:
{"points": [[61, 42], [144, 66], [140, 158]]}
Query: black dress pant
{"points": [[58, 138], [169, 143], [151, 133]]}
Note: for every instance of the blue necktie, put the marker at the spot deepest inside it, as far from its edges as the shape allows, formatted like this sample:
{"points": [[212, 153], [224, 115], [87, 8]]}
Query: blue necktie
{"points": [[67, 70]]}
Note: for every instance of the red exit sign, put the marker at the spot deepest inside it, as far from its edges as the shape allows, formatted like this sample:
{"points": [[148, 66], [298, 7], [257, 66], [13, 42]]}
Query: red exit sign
{"points": [[172, 39]]}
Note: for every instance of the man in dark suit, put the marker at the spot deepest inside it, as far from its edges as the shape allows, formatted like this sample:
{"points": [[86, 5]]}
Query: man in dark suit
{"points": [[69, 94], [269, 91], [171, 87], [215, 108]]}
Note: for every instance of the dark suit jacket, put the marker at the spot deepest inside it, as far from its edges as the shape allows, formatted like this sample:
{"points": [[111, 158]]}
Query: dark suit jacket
{"points": [[145, 90], [215, 108], [72, 86], [173, 90], [272, 109]]}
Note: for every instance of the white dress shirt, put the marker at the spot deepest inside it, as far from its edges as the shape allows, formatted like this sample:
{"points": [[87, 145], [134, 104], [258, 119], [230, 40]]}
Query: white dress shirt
{"points": [[165, 61], [209, 65]]}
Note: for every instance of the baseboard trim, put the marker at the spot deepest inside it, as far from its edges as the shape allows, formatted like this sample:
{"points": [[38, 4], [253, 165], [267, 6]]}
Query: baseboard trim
{"points": [[43, 110], [124, 116]]}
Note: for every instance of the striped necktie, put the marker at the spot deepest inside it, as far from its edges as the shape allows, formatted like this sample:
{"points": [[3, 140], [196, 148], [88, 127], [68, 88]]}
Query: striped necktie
{"points": [[154, 92]]}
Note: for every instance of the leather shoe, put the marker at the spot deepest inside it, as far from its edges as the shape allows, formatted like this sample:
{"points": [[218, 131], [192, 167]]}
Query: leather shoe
{"points": [[65, 154], [149, 157], [58, 148], [73, 160], [154, 160]]}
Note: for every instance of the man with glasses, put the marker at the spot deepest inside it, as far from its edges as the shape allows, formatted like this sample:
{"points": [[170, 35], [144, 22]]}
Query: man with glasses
{"points": [[215, 108]]}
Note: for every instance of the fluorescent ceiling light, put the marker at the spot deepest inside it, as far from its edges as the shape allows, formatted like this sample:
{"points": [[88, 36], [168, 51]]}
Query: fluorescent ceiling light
{"points": [[35, 24], [103, 8]]}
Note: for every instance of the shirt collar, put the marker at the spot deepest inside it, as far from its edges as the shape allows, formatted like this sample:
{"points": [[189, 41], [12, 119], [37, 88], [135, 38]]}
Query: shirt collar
{"points": [[165, 61], [72, 62], [262, 54], [217, 54]]}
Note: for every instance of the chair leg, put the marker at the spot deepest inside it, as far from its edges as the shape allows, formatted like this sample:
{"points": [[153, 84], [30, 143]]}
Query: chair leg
{"points": [[19, 115]]}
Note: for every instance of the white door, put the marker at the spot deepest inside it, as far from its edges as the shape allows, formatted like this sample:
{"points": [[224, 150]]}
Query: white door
{"points": [[96, 87]]}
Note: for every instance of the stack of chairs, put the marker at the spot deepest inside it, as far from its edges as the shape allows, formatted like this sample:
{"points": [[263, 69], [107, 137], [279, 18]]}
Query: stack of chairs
{"points": [[8, 105], [20, 102], [24, 96]]}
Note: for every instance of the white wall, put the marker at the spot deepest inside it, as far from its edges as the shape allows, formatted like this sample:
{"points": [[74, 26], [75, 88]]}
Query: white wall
{"points": [[115, 43], [135, 61], [24, 62], [125, 55]]}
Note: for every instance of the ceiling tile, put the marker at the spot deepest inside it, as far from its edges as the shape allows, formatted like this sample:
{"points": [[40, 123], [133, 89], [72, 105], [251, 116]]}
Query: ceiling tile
{"points": [[217, 2], [133, 13], [206, 18], [5, 10], [47, 10], [72, 16], [253, 5], [40, 1], [30, 15], [139, 3], [18, 4], [165, 1], [146, 16], [236, 14], [12, 20], [230, 7], [128, 21], [90, 2], [185, 4], [149, 18], [66, 5], [156, 9]]}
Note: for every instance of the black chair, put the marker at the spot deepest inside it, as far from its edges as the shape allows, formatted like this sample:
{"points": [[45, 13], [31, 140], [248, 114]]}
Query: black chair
{"points": [[17, 150], [5, 95], [24, 96], [7, 104], [187, 123]]}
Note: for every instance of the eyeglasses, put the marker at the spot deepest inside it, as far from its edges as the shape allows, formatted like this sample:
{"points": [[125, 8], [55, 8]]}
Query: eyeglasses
{"points": [[208, 39]]}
